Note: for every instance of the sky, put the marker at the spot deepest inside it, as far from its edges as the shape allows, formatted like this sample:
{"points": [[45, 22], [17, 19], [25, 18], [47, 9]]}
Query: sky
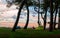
{"points": [[9, 12], [3, 1], [12, 11]]}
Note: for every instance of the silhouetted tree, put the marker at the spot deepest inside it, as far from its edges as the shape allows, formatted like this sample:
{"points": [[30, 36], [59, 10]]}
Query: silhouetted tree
{"points": [[51, 15], [38, 11], [59, 14], [59, 19], [27, 17], [45, 11], [45, 6], [18, 15], [56, 10]]}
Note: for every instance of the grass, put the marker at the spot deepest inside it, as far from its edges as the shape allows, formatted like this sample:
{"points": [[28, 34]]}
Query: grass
{"points": [[28, 33]]}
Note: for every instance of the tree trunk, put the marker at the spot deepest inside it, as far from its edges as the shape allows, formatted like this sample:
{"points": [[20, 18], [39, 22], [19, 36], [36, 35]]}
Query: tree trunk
{"points": [[45, 11], [45, 19], [18, 15], [39, 19], [56, 9], [55, 19], [59, 19], [27, 16], [51, 16], [39, 14]]}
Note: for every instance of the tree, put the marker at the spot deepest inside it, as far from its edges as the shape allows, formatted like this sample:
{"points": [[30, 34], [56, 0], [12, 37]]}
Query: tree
{"points": [[24, 2], [27, 17], [56, 10], [19, 12], [39, 14], [59, 14], [28, 3], [45, 7], [21, 3], [59, 19], [37, 9], [51, 15], [45, 11]]}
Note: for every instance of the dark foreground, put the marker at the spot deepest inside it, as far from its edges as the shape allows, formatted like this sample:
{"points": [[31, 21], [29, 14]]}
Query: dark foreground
{"points": [[28, 33]]}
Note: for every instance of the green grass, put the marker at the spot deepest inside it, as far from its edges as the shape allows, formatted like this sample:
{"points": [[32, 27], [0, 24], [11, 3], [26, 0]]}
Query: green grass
{"points": [[28, 33]]}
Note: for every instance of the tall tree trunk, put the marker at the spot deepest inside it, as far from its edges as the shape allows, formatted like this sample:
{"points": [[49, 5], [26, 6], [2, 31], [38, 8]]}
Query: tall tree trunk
{"points": [[27, 16], [56, 9], [39, 19], [18, 15], [45, 19], [38, 11], [51, 15], [55, 19], [39, 14], [45, 11], [59, 19]]}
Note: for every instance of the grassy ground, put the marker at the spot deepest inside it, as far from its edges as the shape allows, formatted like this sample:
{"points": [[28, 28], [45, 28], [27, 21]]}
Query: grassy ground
{"points": [[28, 33]]}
